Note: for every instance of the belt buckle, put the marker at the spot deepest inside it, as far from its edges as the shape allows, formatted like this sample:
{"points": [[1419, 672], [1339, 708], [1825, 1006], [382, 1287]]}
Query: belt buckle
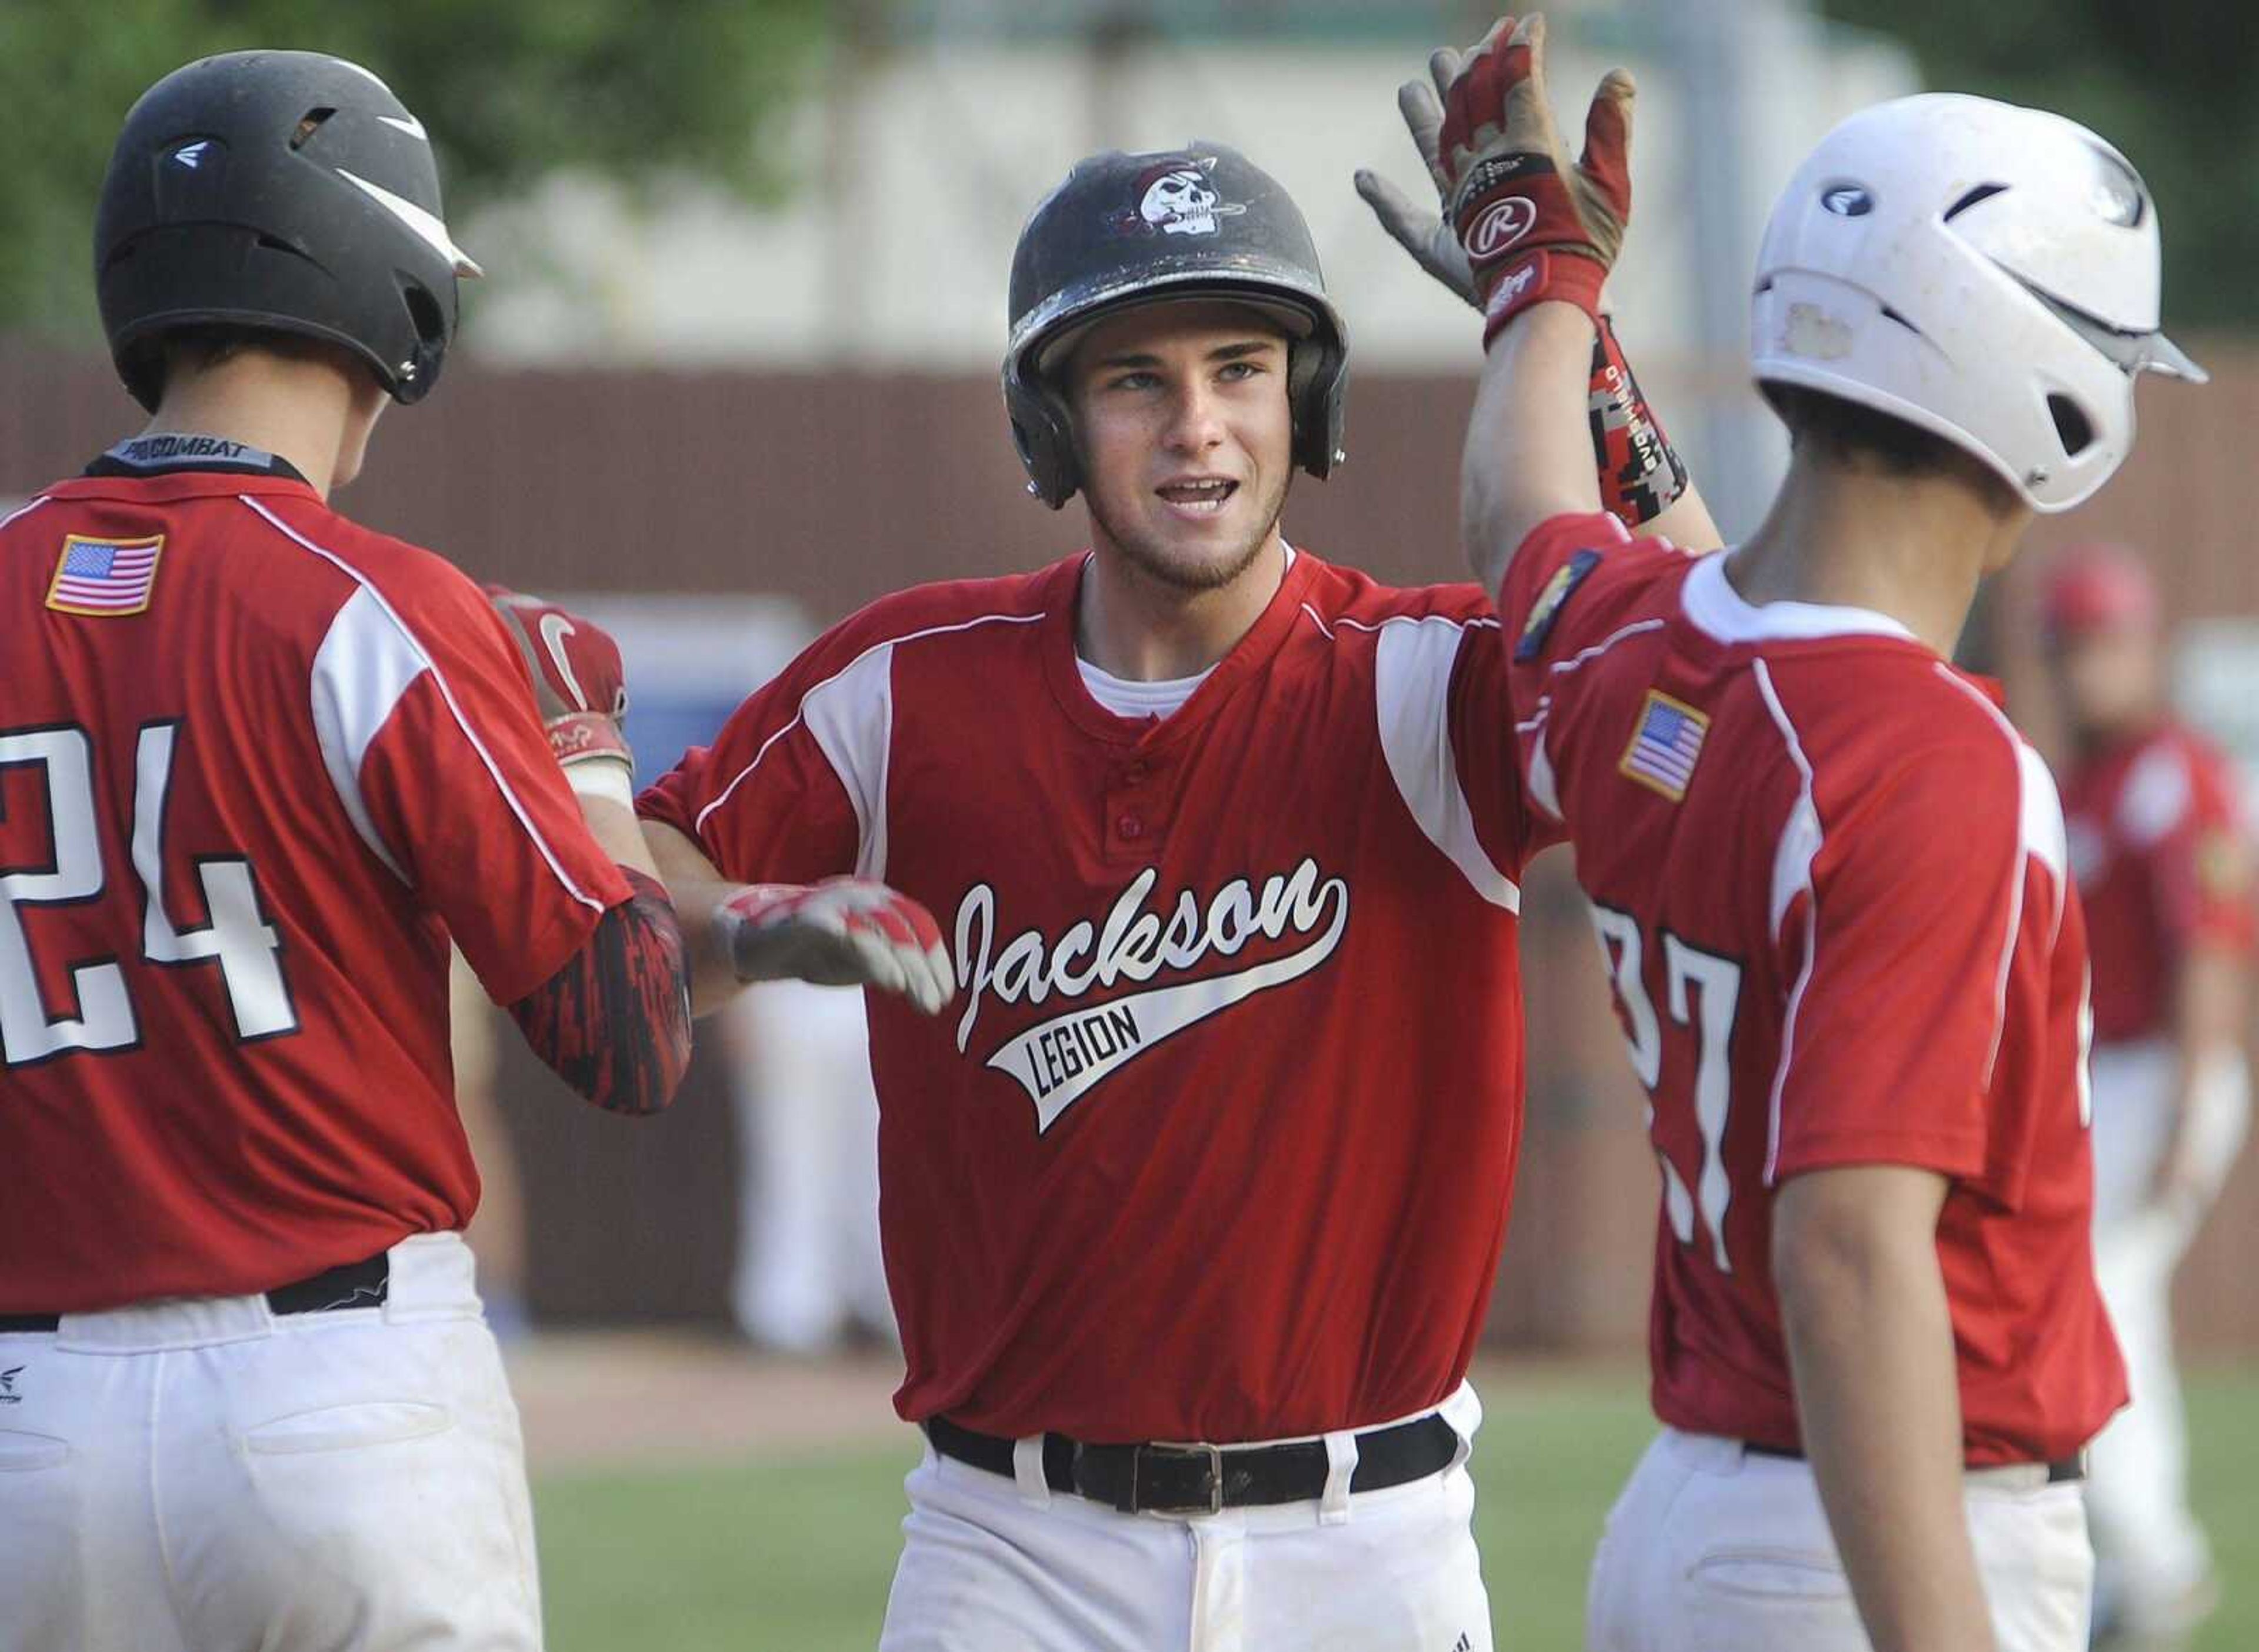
{"points": [[1182, 1448]]}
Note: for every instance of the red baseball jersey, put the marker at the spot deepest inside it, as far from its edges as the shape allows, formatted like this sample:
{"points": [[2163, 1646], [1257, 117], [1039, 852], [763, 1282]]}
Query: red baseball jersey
{"points": [[1216, 1140], [1829, 882], [2161, 855], [257, 765]]}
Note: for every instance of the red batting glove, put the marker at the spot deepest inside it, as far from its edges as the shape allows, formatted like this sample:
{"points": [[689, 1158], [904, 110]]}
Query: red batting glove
{"points": [[842, 932], [1533, 226], [578, 685]]}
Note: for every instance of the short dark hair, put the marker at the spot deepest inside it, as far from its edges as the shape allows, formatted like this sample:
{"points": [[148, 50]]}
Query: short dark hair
{"points": [[202, 346], [1861, 435]]}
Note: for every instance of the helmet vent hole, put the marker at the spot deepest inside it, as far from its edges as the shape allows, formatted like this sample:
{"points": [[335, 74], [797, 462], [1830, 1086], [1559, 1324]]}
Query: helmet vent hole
{"points": [[2071, 424], [424, 310], [1982, 192], [308, 123]]}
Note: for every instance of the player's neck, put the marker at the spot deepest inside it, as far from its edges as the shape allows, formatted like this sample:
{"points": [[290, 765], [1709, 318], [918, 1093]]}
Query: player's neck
{"points": [[1132, 624], [1913, 548], [300, 410]]}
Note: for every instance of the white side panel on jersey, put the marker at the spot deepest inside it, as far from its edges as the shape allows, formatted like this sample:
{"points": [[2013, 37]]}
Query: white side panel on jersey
{"points": [[852, 731], [1801, 837], [446, 695], [1413, 688], [852, 717], [2047, 839], [1544, 789], [364, 666]]}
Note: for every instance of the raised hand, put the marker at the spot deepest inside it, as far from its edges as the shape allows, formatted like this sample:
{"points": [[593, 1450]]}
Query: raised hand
{"points": [[579, 686]]}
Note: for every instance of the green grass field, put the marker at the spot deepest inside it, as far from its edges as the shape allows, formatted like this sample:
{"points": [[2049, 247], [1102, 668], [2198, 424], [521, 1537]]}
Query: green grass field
{"points": [[796, 1554]]}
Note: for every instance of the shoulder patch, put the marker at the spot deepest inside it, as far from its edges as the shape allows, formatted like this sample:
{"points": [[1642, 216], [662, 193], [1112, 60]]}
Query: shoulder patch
{"points": [[1550, 601], [1665, 745], [103, 578]]}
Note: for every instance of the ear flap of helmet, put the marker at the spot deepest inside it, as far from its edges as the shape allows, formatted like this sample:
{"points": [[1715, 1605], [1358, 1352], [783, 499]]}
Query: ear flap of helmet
{"points": [[1318, 385], [1043, 435]]}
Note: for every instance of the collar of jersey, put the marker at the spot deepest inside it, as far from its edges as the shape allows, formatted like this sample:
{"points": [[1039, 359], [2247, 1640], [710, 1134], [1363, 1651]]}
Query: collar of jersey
{"points": [[161, 487], [1713, 604], [1247, 657]]}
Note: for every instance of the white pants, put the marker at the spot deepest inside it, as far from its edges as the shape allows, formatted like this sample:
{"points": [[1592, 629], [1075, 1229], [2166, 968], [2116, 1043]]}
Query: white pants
{"points": [[808, 1133], [2149, 1552], [1712, 1550], [206, 1476], [994, 1565]]}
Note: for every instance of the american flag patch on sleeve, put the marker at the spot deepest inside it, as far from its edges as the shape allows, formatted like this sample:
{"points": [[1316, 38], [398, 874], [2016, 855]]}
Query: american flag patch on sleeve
{"points": [[104, 577], [1665, 745]]}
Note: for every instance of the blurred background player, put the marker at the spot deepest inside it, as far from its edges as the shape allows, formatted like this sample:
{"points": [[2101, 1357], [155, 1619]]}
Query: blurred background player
{"points": [[1827, 877], [2162, 853], [808, 1278], [261, 765]]}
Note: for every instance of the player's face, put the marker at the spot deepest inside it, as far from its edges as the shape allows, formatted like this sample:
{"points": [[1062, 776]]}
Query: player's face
{"points": [[2109, 679], [1185, 437]]}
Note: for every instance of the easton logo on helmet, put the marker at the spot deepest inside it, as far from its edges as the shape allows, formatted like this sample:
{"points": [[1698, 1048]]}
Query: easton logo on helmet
{"points": [[1176, 198], [1849, 202]]}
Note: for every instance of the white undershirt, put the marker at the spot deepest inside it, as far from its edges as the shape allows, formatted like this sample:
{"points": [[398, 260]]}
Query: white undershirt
{"points": [[1126, 697]]}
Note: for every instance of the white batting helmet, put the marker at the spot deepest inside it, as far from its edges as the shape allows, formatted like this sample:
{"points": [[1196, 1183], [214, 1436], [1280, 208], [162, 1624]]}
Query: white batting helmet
{"points": [[1987, 273]]}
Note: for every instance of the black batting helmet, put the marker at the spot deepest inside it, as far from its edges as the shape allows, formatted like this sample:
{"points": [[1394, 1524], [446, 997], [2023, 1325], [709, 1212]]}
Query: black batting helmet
{"points": [[284, 191], [1124, 230]]}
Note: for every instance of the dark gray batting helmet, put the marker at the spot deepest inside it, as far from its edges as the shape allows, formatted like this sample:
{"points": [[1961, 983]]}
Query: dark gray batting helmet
{"points": [[284, 191], [1202, 222]]}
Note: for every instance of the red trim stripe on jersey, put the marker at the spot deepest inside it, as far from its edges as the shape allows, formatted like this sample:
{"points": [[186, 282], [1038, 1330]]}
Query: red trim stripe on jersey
{"points": [[446, 695]]}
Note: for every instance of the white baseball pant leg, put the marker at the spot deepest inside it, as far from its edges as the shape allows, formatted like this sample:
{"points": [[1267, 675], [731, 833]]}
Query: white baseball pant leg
{"points": [[2149, 1551], [1712, 1550], [198, 1474], [994, 1565], [808, 1128]]}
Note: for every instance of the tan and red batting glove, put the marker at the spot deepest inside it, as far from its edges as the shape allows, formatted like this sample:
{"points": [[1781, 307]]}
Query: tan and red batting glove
{"points": [[579, 686], [841, 932], [1520, 223]]}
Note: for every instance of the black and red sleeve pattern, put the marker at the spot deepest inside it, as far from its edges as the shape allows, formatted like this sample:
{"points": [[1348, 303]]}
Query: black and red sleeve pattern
{"points": [[614, 1022]]}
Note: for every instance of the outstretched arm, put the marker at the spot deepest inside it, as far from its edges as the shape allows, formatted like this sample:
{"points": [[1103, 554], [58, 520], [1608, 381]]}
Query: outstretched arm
{"points": [[840, 932], [1560, 425], [614, 1023]]}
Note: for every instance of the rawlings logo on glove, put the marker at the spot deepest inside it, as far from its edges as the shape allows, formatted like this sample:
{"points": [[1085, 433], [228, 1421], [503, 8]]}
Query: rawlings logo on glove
{"points": [[1520, 224]]}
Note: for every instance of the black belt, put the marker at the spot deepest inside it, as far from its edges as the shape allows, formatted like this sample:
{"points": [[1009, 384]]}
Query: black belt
{"points": [[353, 1285], [1206, 1479], [2059, 1472]]}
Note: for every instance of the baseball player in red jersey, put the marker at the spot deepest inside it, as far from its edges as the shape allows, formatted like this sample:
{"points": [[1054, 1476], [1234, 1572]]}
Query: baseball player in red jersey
{"points": [[258, 766], [1828, 880], [1208, 1150], [2161, 855]]}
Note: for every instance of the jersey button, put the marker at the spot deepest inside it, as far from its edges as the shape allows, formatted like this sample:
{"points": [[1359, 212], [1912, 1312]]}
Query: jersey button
{"points": [[1131, 827], [1134, 772]]}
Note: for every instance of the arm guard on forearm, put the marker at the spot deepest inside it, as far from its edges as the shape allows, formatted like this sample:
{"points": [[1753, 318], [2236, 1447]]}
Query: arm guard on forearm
{"points": [[614, 1022], [1640, 472]]}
